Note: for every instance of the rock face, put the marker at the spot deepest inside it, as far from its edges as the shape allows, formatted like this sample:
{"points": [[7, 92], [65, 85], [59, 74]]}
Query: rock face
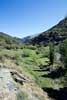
{"points": [[7, 86], [13, 90]]}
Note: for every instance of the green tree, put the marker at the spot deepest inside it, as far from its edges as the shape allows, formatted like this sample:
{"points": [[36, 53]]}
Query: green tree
{"points": [[63, 51], [51, 53]]}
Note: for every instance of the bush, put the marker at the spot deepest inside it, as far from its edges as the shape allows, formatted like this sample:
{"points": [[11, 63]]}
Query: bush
{"points": [[26, 53]]}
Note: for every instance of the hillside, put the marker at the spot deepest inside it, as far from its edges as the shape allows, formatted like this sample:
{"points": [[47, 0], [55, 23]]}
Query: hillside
{"points": [[56, 34], [17, 80], [9, 42]]}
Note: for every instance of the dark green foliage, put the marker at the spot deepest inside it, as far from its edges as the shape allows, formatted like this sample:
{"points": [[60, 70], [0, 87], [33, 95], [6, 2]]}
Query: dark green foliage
{"points": [[55, 34], [63, 51], [51, 54]]}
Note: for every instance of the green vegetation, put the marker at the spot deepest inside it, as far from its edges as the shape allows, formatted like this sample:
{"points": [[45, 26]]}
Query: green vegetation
{"points": [[63, 50], [44, 62], [8, 42], [51, 54], [30, 60]]}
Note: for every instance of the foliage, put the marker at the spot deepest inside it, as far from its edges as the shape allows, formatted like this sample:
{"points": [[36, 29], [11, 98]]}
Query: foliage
{"points": [[63, 51], [51, 54], [9, 42]]}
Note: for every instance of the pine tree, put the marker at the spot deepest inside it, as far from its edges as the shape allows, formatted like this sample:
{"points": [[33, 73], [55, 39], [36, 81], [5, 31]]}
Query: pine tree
{"points": [[63, 51], [51, 54]]}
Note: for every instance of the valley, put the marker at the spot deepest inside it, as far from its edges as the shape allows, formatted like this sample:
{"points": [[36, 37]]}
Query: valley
{"points": [[35, 69]]}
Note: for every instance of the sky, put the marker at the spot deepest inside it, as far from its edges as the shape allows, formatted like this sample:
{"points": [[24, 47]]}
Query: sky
{"points": [[20, 18]]}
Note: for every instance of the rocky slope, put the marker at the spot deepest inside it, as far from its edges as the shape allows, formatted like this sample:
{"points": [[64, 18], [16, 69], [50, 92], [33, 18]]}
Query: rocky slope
{"points": [[12, 89]]}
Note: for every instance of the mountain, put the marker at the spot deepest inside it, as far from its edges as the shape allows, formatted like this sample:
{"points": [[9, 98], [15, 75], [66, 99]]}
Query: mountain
{"points": [[28, 38], [56, 34], [9, 42]]}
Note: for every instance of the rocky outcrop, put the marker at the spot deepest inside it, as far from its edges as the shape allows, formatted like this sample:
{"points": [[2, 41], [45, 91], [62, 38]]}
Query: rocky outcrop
{"points": [[12, 89], [19, 77], [8, 88]]}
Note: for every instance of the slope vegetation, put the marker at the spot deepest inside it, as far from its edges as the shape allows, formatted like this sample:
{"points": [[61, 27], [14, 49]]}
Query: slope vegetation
{"points": [[9, 42], [56, 34]]}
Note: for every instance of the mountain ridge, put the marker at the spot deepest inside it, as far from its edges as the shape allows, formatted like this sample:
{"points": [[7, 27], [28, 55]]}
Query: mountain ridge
{"points": [[55, 34], [9, 42]]}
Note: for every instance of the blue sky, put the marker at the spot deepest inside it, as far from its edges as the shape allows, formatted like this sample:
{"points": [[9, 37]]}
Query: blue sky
{"points": [[27, 17]]}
